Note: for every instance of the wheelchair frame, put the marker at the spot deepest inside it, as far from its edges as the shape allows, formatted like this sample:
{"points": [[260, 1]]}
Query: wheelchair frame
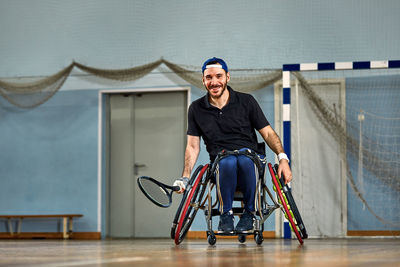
{"points": [[201, 182]]}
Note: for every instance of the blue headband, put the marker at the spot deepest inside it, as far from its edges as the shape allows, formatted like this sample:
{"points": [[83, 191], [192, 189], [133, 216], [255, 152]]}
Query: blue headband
{"points": [[216, 60]]}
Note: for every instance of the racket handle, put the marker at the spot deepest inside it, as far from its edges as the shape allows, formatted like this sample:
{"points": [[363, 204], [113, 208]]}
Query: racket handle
{"points": [[176, 188]]}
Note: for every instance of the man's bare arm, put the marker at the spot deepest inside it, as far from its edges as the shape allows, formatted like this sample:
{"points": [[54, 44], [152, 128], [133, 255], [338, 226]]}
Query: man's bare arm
{"points": [[191, 153], [274, 142]]}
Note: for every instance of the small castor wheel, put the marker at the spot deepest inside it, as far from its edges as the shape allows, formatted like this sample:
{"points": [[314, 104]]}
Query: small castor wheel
{"points": [[211, 239], [242, 238], [259, 239]]}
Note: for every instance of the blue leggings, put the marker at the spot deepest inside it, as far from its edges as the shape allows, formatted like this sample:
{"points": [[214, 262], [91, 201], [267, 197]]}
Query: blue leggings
{"points": [[237, 172]]}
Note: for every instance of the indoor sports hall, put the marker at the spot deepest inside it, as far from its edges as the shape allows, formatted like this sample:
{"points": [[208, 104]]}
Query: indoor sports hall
{"points": [[95, 94]]}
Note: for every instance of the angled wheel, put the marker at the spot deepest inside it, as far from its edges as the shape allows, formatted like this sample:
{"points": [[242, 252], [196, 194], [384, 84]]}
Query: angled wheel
{"points": [[258, 238], [189, 205], [293, 208], [185, 194], [242, 238], [283, 200], [211, 239]]}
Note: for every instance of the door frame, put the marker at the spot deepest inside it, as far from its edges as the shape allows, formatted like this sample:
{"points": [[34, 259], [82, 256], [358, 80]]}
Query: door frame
{"points": [[102, 168]]}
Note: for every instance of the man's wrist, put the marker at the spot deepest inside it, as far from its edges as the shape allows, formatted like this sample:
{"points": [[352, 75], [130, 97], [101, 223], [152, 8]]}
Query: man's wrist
{"points": [[183, 179], [282, 156]]}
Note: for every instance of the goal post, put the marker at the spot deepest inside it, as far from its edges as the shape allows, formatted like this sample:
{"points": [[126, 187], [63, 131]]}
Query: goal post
{"points": [[355, 108]]}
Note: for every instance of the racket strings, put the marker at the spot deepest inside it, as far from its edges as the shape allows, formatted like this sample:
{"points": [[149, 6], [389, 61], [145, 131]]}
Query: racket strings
{"points": [[155, 191]]}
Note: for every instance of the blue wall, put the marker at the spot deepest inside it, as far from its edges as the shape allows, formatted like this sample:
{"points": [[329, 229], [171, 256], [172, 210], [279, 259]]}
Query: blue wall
{"points": [[47, 35], [48, 159]]}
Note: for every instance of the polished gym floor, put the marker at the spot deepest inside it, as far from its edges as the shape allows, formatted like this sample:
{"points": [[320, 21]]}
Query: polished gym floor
{"points": [[163, 252]]}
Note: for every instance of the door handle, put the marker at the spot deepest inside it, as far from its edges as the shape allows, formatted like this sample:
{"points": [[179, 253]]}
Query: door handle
{"points": [[136, 167]]}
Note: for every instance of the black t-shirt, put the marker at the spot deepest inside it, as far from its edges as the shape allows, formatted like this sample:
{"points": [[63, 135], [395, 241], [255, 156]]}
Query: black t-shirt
{"points": [[232, 127]]}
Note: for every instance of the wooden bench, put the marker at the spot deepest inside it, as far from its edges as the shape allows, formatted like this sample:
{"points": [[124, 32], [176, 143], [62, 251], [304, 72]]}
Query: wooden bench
{"points": [[66, 219]]}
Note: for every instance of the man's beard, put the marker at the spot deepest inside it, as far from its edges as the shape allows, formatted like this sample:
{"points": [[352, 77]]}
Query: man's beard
{"points": [[220, 94]]}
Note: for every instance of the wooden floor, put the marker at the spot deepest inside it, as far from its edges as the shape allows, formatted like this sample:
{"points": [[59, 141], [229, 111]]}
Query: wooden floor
{"points": [[163, 252]]}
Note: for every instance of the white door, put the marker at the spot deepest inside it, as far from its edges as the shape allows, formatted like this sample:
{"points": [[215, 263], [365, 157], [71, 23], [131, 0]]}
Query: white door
{"points": [[149, 140]]}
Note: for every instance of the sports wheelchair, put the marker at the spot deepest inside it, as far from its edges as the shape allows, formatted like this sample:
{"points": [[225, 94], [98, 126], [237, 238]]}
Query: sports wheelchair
{"points": [[198, 195]]}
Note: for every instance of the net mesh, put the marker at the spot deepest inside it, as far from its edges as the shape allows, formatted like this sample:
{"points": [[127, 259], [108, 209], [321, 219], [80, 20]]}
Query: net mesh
{"points": [[37, 92], [369, 133]]}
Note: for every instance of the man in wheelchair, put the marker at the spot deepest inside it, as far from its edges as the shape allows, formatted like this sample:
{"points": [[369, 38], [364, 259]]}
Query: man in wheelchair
{"points": [[227, 120]]}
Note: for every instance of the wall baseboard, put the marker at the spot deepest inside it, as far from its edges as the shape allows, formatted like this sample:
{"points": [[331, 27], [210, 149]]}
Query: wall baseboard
{"points": [[55, 235], [203, 235], [372, 233]]}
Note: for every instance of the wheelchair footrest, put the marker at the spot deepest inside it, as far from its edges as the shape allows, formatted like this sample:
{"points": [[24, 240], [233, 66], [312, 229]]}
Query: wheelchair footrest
{"points": [[235, 233], [216, 212]]}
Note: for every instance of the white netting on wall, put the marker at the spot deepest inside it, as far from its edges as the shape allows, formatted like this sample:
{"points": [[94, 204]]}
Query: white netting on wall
{"points": [[367, 134], [35, 93]]}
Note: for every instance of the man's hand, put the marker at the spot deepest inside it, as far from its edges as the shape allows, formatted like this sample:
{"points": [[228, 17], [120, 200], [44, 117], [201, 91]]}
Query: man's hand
{"points": [[284, 170], [182, 183]]}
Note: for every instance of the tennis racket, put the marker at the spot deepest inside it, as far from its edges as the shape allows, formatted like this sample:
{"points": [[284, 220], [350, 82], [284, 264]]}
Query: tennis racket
{"points": [[156, 191]]}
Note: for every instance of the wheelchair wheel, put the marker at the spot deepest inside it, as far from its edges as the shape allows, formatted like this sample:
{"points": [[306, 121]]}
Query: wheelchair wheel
{"points": [[179, 210], [295, 211], [188, 210], [242, 238], [258, 238], [211, 239], [288, 213]]}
